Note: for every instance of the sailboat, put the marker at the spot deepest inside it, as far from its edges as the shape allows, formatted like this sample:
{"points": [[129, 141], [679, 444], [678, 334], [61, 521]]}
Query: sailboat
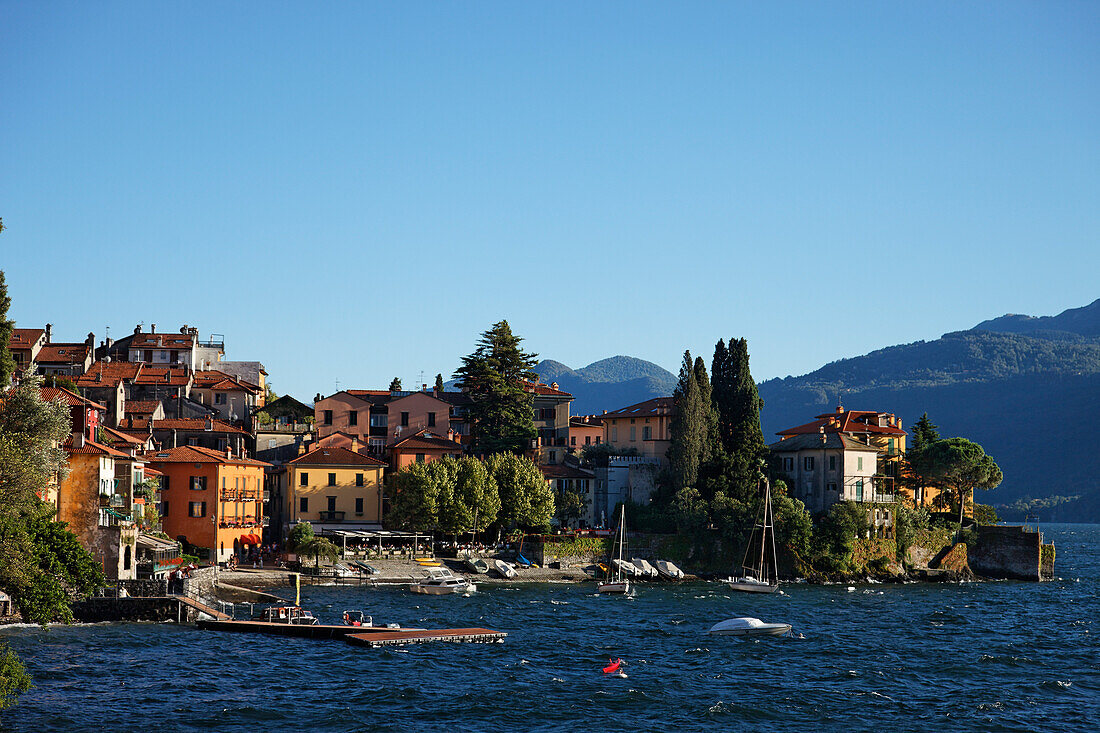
{"points": [[616, 581], [760, 566]]}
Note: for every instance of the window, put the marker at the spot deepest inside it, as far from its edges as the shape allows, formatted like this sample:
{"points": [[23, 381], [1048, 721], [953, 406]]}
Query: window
{"points": [[271, 443], [404, 419], [192, 441], [219, 398], [633, 433], [198, 483], [303, 505], [832, 463], [164, 509], [196, 509], [832, 486], [303, 479], [332, 479], [359, 505], [588, 440], [148, 356], [614, 435], [353, 417], [598, 439], [788, 464], [859, 489], [379, 421], [327, 417], [859, 463], [547, 413], [647, 433], [431, 419], [358, 479], [331, 503], [419, 457], [808, 463], [174, 356], [631, 421]]}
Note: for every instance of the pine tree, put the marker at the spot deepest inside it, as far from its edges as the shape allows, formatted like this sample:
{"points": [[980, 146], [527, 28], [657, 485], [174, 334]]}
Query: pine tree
{"points": [[925, 433], [395, 385], [493, 375], [7, 364], [919, 472], [438, 383]]}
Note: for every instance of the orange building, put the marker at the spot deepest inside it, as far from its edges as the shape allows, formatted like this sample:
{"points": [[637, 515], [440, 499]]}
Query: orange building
{"points": [[423, 446], [584, 431], [643, 427], [210, 499]]}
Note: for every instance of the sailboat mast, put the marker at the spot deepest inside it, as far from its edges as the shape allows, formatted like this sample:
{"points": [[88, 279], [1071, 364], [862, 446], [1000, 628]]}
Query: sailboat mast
{"points": [[761, 570], [775, 552]]}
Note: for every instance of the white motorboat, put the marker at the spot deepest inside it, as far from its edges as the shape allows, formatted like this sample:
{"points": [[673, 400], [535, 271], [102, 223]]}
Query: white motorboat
{"points": [[760, 566], [628, 568], [669, 570], [476, 565], [644, 568], [745, 626], [441, 582], [617, 580], [284, 614], [505, 570]]}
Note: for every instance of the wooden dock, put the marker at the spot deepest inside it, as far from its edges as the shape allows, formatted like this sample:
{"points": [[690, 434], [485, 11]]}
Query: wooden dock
{"points": [[369, 636], [393, 637]]}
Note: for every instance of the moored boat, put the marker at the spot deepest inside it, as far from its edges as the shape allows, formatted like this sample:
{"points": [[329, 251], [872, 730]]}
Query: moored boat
{"points": [[441, 582], [668, 570], [286, 615], [617, 580], [746, 626], [760, 564], [504, 569], [643, 566]]}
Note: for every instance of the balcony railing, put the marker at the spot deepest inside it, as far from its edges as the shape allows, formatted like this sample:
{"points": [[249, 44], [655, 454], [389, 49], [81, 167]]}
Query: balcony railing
{"points": [[288, 427], [331, 516], [236, 495]]}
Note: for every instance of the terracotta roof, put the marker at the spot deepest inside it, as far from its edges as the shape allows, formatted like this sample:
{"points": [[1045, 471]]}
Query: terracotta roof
{"points": [[178, 341], [214, 379], [558, 470], [107, 374], [191, 424], [334, 456], [69, 398], [92, 448], [196, 454], [166, 376], [150, 471], [833, 441], [141, 407], [24, 338], [62, 354], [655, 407], [539, 388], [111, 435], [847, 421], [426, 439], [586, 421]]}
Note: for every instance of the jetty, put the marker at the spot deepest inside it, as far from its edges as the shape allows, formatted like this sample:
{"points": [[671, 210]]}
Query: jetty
{"points": [[369, 636]]}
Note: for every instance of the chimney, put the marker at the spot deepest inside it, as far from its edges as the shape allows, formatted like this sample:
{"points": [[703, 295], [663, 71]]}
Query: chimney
{"points": [[49, 333], [90, 341], [228, 453], [354, 444], [840, 409], [183, 329], [152, 328], [553, 385], [99, 376], [78, 440], [209, 423], [137, 329], [423, 388]]}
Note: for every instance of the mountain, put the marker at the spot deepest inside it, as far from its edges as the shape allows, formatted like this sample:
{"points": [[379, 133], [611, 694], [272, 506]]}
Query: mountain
{"points": [[1083, 321], [608, 384], [1022, 387]]}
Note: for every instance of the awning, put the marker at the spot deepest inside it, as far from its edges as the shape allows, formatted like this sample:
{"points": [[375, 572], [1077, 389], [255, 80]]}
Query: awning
{"points": [[250, 539]]}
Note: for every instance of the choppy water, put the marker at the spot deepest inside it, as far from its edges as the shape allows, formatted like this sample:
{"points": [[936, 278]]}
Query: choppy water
{"points": [[993, 656]]}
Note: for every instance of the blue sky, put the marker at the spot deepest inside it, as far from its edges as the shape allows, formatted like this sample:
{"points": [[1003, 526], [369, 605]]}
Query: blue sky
{"points": [[355, 191]]}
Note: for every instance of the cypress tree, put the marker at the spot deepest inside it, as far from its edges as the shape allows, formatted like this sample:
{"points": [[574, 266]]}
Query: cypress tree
{"points": [[688, 428], [738, 405], [709, 413], [493, 376], [438, 383], [7, 364]]}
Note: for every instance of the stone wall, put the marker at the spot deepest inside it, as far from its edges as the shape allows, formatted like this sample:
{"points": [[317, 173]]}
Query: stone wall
{"points": [[96, 610], [1006, 552]]}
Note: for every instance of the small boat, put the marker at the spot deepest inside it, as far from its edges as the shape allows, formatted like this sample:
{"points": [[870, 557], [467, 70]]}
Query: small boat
{"points": [[628, 568], [504, 569], [357, 618], [644, 568], [669, 570], [368, 569], [523, 562], [617, 581], [441, 582], [427, 562], [759, 565], [745, 626], [286, 615], [476, 565]]}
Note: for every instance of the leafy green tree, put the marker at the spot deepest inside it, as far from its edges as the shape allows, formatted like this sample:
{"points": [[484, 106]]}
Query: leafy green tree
{"points": [[959, 467], [571, 507], [688, 429], [416, 495], [7, 363], [526, 500], [395, 384], [494, 375], [317, 548], [793, 524], [454, 514], [690, 511], [301, 535], [479, 493], [438, 383], [14, 679], [835, 535]]}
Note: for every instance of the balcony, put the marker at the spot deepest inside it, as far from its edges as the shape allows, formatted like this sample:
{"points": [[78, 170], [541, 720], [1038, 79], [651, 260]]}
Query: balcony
{"points": [[331, 516], [285, 427]]}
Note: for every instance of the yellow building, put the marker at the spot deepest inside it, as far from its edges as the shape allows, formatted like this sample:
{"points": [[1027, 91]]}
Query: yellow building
{"points": [[334, 486], [643, 427]]}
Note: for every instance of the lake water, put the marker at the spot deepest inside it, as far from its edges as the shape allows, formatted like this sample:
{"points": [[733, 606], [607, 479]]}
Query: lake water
{"points": [[993, 656]]}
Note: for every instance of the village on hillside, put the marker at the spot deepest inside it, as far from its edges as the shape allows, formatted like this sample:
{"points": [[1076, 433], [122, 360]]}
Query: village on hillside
{"points": [[175, 449]]}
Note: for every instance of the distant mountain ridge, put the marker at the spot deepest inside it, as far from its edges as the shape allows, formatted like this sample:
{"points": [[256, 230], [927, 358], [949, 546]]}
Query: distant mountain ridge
{"points": [[608, 384], [1018, 385]]}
